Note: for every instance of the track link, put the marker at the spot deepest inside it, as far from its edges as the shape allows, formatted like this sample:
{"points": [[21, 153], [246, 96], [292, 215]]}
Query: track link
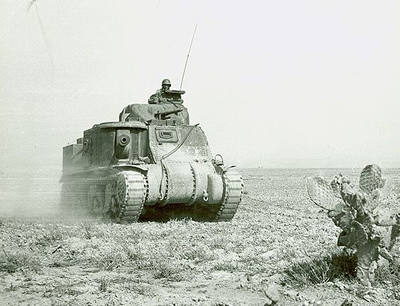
{"points": [[131, 195], [233, 190]]}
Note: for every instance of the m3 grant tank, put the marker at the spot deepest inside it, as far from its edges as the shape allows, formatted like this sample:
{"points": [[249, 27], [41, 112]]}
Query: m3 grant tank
{"points": [[150, 165]]}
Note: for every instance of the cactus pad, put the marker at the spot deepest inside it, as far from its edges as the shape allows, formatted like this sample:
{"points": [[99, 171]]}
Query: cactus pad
{"points": [[321, 192], [370, 178]]}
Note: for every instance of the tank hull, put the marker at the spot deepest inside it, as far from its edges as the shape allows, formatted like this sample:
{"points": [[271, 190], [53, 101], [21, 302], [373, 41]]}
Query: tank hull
{"points": [[127, 194]]}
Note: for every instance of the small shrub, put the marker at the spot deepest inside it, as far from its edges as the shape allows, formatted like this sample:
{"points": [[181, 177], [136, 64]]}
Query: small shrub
{"points": [[109, 261], [139, 289], [388, 273], [104, 284], [321, 270], [219, 242], [61, 288], [67, 289], [12, 262], [169, 269], [342, 265], [49, 237], [87, 230], [229, 266], [133, 252], [189, 251]]}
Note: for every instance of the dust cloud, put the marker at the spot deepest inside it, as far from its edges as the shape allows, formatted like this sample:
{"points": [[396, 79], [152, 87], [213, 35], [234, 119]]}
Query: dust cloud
{"points": [[29, 193]]}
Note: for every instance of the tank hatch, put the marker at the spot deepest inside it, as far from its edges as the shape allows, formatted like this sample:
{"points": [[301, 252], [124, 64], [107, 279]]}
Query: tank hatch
{"points": [[160, 114]]}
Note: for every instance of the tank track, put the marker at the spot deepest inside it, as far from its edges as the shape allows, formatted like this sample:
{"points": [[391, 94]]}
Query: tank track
{"points": [[233, 189], [132, 193]]}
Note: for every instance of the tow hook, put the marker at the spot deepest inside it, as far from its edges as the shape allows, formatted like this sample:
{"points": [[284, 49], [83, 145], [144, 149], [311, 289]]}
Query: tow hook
{"points": [[205, 195]]}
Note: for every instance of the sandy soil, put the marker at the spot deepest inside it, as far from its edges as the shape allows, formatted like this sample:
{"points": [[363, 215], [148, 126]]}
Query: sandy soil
{"points": [[81, 261]]}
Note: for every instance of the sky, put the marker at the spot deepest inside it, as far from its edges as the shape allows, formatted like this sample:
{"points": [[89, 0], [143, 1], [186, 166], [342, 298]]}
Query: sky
{"points": [[272, 83]]}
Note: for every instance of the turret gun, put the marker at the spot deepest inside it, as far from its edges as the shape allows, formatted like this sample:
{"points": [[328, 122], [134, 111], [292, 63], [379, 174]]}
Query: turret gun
{"points": [[165, 115], [174, 96]]}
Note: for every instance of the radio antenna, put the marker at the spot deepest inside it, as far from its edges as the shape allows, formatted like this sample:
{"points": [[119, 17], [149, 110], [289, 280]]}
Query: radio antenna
{"points": [[187, 58]]}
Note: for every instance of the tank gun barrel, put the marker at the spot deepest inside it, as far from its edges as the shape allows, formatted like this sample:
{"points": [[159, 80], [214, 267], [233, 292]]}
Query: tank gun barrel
{"points": [[164, 115]]}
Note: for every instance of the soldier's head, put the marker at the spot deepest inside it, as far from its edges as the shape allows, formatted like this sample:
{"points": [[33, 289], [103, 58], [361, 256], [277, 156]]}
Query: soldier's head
{"points": [[166, 84]]}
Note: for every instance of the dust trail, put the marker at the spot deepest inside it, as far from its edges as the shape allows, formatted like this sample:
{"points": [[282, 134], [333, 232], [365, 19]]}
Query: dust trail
{"points": [[28, 193]]}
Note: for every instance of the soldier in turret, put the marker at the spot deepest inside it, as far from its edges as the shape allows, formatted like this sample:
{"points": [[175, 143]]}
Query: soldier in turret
{"points": [[160, 96]]}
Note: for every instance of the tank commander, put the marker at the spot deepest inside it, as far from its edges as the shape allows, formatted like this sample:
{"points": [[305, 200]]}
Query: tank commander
{"points": [[160, 96]]}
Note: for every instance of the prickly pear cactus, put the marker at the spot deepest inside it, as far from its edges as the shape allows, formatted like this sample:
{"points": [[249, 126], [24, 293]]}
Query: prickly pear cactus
{"points": [[350, 208]]}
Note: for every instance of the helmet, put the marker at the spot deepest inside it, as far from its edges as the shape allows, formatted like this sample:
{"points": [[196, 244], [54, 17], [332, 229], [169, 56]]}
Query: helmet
{"points": [[166, 82]]}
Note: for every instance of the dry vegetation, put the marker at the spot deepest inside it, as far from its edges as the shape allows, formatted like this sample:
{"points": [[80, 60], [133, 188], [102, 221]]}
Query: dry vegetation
{"points": [[278, 247]]}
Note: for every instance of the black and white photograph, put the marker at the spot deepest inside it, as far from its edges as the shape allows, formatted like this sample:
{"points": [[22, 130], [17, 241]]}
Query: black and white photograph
{"points": [[199, 153]]}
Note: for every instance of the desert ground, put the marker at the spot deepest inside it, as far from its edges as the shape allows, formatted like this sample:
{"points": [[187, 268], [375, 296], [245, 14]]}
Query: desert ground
{"points": [[279, 249]]}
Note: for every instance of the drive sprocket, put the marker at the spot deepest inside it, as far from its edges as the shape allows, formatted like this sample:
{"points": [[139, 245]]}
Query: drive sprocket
{"points": [[131, 195]]}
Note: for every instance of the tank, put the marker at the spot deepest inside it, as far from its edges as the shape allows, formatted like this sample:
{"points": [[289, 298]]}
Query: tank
{"points": [[150, 165]]}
